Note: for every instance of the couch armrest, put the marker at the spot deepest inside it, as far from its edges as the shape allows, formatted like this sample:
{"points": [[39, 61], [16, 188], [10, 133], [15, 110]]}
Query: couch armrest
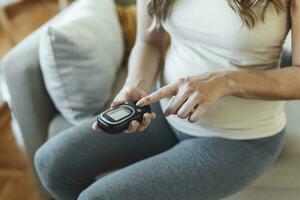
{"points": [[29, 101]]}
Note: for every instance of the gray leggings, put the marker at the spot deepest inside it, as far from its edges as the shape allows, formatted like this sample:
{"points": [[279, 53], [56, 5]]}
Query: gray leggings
{"points": [[157, 164]]}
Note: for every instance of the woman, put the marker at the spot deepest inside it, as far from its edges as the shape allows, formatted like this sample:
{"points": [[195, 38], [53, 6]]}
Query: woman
{"points": [[225, 124]]}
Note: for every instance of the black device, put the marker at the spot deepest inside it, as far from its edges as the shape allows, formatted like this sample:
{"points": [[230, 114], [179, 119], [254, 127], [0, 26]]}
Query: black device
{"points": [[117, 119]]}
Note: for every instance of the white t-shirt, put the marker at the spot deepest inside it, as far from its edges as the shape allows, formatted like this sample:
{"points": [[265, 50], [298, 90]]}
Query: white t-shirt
{"points": [[208, 36]]}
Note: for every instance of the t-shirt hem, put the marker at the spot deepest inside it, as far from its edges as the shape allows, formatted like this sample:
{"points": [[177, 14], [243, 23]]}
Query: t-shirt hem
{"points": [[226, 134]]}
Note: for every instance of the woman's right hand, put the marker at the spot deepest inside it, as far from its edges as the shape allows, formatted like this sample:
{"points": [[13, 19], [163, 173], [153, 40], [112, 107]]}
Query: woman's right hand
{"points": [[130, 92]]}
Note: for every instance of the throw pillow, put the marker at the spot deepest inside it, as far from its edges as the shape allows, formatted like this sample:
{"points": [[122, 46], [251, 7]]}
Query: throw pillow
{"points": [[80, 54]]}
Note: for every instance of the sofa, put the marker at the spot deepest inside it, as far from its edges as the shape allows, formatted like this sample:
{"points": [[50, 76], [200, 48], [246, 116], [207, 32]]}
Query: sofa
{"points": [[37, 119]]}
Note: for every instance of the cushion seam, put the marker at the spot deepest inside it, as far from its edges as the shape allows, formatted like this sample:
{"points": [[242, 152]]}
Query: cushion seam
{"points": [[56, 68]]}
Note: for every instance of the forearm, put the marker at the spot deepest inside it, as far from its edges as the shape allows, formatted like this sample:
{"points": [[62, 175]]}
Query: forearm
{"points": [[276, 84], [144, 62]]}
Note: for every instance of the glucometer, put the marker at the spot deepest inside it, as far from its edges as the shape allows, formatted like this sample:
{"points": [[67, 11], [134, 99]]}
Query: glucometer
{"points": [[117, 119]]}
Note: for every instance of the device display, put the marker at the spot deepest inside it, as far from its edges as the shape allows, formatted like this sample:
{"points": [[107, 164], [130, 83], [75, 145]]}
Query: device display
{"points": [[120, 113], [116, 120]]}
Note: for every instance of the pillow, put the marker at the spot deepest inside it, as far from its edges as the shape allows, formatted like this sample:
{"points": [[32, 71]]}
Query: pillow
{"points": [[79, 55]]}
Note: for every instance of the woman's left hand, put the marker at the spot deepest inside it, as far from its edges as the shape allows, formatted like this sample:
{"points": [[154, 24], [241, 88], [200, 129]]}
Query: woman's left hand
{"points": [[192, 96]]}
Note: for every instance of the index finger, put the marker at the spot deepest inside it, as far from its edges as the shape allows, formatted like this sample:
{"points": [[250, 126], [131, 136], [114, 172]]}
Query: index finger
{"points": [[164, 92]]}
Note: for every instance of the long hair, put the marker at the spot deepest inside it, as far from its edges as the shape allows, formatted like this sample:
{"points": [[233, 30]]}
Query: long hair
{"points": [[245, 9]]}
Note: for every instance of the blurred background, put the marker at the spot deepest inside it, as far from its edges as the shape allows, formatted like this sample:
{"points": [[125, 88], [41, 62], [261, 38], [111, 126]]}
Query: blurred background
{"points": [[26, 111], [18, 18]]}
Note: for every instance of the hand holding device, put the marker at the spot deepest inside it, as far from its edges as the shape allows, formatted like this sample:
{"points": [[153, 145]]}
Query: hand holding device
{"points": [[192, 96], [117, 119], [131, 92]]}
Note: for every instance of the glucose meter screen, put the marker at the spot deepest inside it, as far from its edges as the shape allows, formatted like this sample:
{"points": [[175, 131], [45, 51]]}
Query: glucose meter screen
{"points": [[119, 114]]}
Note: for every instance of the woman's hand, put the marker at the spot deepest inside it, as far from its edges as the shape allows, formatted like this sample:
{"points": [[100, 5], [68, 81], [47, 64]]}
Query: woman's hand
{"points": [[192, 96], [130, 92]]}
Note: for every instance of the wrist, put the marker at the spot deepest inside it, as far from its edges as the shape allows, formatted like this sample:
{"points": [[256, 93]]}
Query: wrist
{"points": [[231, 85], [139, 83]]}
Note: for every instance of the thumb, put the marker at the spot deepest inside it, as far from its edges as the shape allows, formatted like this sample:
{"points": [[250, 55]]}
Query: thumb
{"points": [[95, 127]]}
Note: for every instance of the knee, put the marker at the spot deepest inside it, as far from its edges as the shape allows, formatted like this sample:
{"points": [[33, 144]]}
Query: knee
{"points": [[47, 168]]}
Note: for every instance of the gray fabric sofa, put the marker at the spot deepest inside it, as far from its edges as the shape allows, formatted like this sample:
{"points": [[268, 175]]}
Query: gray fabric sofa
{"points": [[37, 118]]}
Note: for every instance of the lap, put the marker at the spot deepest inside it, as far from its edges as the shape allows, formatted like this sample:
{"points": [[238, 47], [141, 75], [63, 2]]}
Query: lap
{"points": [[199, 168], [80, 152]]}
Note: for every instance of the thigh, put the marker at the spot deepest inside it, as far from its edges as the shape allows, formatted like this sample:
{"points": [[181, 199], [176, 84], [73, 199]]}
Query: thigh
{"points": [[81, 153], [195, 169]]}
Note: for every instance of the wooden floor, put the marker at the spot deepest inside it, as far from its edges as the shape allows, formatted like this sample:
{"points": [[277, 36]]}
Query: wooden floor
{"points": [[26, 17], [16, 180]]}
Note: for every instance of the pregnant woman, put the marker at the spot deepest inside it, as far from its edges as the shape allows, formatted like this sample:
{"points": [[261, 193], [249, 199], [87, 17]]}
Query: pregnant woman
{"points": [[218, 120]]}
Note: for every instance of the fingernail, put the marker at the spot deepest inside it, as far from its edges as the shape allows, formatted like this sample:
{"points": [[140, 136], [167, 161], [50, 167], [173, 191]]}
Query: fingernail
{"points": [[140, 102], [167, 113], [192, 120], [95, 127]]}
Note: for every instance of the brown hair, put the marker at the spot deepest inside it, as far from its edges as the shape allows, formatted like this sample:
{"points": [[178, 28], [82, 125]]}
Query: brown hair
{"points": [[159, 10]]}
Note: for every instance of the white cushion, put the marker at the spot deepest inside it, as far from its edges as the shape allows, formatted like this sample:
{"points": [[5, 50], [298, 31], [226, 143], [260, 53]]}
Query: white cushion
{"points": [[59, 123], [80, 53]]}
